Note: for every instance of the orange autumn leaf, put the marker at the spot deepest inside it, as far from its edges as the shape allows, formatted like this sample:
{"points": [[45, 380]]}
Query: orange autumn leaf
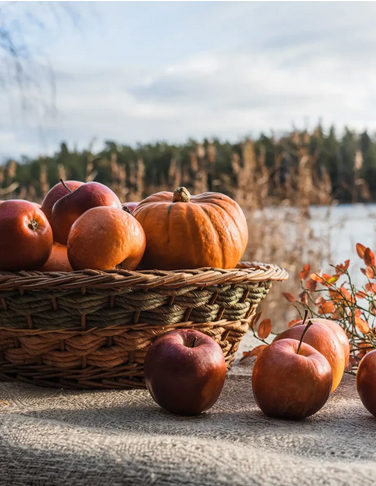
{"points": [[370, 272], [360, 249], [363, 344], [363, 270], [372, 309], [341, 295], [311, 285], [305, 272], [324, 279], [342, 268], [362, 325], [264, 329], [326, 308], [360, 295], [255, 320], [357, 313], [335, 295], [303, 297], [319, 278], [320, 300], [288, 296], [369, 257], [338, 313], [255, 352], [294, 321], [371, 288]]}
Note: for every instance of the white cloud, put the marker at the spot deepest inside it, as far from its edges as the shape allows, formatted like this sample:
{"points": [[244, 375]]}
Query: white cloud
{"points": [[257, 67]]}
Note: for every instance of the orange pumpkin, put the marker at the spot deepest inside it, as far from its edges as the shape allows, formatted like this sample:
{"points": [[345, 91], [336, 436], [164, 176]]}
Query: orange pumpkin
{"points": [[184, 231]]}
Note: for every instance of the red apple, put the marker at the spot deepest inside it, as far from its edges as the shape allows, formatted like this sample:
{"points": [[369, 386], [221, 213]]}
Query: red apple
{"points": [[291, 385], [185, 371], [70, 207], [324, 341], [131, 206], [56, 193], [25, 236], [366, 381]]}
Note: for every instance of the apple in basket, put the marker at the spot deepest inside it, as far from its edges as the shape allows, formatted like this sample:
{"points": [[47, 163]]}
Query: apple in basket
{"points": [[291, 379], [55, 193], [185, 371], [25, 236], [70, 207]]}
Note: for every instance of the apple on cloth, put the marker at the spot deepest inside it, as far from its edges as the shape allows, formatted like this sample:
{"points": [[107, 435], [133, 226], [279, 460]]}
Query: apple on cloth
{"points": [[324, 340], [366, 381], [291, 379], [185, 371]]}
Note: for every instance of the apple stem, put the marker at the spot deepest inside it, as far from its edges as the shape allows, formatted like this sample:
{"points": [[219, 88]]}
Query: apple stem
{"points": [[305, 330], [194, 341], [66, 187]]}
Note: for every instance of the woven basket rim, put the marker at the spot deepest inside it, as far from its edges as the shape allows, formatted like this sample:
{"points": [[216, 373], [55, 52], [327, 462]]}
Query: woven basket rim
{"points": [[245, 272]]}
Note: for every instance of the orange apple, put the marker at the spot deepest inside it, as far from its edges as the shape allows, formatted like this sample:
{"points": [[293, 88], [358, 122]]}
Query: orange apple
{"points": [[339, 332], [325, 342]]}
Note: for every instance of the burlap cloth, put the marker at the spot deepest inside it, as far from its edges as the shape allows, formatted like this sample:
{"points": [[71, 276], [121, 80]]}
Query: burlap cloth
{"points": [[54, 437]]}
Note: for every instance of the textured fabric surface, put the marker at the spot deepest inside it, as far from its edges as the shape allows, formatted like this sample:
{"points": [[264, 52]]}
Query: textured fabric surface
{"points": [[55, 437]]}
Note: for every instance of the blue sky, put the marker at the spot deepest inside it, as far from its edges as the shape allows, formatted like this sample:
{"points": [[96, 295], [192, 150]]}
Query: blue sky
{"points": [[146, 71]]}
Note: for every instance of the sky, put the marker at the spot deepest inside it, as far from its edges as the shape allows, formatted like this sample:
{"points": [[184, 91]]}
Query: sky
{"points": [[147, 71]]}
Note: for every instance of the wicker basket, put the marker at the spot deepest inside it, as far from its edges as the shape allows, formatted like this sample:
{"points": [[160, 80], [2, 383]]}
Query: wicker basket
{"points": [[91, 329]]}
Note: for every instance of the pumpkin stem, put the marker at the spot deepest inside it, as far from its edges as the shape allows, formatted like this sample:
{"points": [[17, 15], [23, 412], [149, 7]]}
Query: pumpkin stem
{"points": [[181, 194]]}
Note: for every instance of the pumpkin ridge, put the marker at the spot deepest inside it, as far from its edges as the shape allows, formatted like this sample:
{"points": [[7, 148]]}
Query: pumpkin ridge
{"points": [[233, 219], [191, 216], [231, 216], [216, 232], [145, 214], [168, 223]]}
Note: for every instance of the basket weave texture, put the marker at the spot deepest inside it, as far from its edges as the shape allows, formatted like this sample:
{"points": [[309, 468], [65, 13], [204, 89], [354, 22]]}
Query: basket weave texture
{"points": [[92, 329]]}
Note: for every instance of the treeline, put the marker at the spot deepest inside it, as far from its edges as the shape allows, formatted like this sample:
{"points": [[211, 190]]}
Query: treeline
{"points": [[300, 168]]}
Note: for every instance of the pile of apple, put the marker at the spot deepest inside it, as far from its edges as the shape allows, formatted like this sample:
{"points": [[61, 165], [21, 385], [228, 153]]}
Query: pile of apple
{"points": [[79, 225], [292, 378]]}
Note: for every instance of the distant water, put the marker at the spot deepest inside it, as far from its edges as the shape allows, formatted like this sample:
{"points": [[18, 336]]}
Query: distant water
{"points": [[339, 228], [347, 224]]}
